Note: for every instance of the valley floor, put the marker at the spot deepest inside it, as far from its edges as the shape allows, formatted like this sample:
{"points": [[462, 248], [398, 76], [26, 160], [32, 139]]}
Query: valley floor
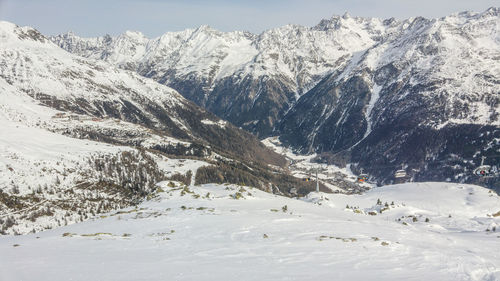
{"points": [[426, 231]]}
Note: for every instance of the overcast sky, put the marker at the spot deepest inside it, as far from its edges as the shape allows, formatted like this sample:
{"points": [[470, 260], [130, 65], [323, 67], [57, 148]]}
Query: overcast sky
{"points": [[155, 17]]}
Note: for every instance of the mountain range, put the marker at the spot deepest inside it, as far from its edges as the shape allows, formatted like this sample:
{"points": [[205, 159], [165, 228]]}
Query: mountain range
{"points": [[418, 94]]}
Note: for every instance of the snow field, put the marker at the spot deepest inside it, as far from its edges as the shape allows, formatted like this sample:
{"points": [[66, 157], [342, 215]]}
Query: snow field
{"points": [[204, 233]]}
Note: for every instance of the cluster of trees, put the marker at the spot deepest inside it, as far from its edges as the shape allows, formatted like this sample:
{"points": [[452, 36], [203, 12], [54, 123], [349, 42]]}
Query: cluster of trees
{"points": [[185, 179], [108, 182], [130, 172], [260, 177], [194, 149]]}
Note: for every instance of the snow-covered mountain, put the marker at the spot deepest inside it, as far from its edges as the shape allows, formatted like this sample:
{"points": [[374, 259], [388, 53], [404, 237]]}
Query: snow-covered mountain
{"points": [[425, 98], [448, 65], [381, 92], [80, 137], [34, 66], [251, 80]]}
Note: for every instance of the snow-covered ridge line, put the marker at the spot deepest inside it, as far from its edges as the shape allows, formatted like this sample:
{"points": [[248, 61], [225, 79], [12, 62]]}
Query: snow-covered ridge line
{"points": [[287, 50], [216, 55]]}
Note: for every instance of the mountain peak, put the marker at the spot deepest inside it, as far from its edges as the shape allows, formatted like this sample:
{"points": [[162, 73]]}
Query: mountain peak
{"points": [[205, 28], [10, 31], [69, 34], [6, 24], [493, 11], [134, 34]]}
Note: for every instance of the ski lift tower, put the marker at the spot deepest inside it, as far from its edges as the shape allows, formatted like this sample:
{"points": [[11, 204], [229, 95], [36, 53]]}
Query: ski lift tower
{"points": [[483, 170], [400, 176], [362, 177], [317, 182]]}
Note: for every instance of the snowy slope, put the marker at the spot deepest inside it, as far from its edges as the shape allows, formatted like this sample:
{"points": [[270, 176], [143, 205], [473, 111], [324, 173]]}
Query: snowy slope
{"points": [[203, 233], [48, 180], [37, 67], [81, 137], [457, 54]]}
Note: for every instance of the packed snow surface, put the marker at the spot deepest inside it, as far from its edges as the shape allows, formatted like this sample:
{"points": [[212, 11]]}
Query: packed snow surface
{"points": [[428, 231]]}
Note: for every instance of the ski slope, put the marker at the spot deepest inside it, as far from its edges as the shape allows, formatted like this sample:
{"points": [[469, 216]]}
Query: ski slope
{"points": [[205, 233]]}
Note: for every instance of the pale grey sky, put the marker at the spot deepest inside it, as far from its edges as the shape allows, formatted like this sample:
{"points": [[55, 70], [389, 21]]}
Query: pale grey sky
{"points": [[155, 17]]}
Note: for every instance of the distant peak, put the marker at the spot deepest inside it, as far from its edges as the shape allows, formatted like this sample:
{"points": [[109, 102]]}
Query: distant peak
{"points": [[333, 23], [492, 11], [6, 26], [205, 27], [134, 34], [7, 23], [25, 33], [68, 34]]}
